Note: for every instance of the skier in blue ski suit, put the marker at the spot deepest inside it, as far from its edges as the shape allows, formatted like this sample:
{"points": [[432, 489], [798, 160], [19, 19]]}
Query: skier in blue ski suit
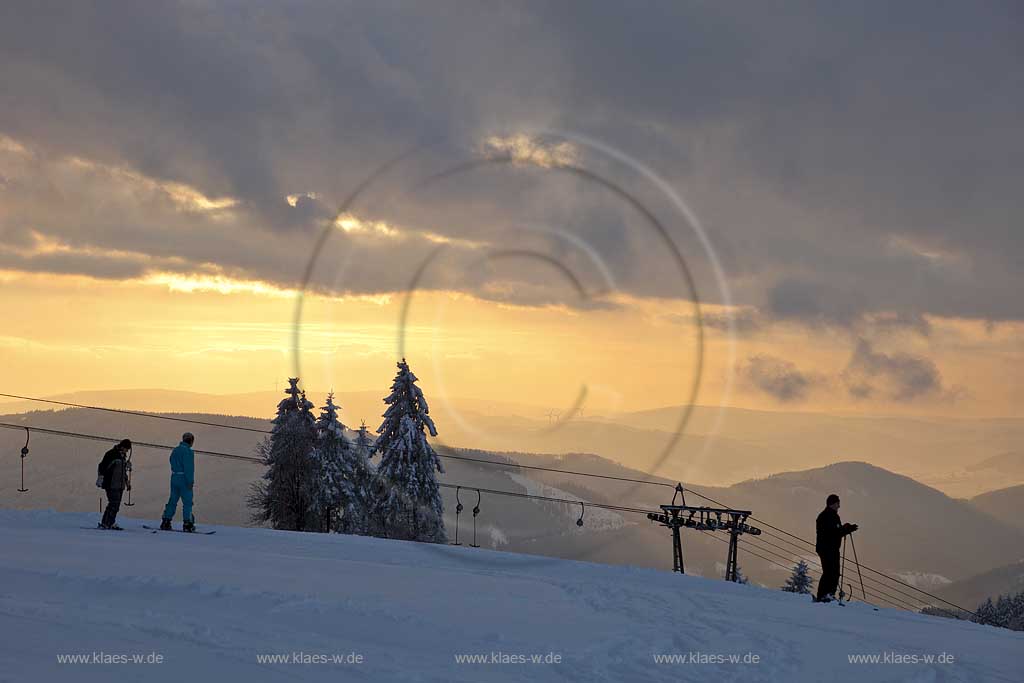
{"points": [[183, 477]]}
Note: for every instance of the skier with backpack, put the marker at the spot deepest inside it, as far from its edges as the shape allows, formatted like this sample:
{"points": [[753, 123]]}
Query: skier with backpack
{"points": [[112, 477], [830, 533], [182, 481]]}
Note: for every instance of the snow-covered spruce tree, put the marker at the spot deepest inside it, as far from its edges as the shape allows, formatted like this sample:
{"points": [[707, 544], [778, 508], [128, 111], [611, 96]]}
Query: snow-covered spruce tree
{"points": [[363, 443], [985, 613], [799, 581], [333, 480], [1016, 616], [358, 519], [1006, 612], [407, 499], [282, 498]]}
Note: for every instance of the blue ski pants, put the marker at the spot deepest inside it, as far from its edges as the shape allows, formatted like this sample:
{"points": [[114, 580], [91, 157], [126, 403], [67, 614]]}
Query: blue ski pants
{"points": [[179, 489]]}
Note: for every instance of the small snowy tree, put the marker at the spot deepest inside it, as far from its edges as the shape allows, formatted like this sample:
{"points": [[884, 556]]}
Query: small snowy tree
{"points": [[282, 498], [333, 481], [985, 613], [740, 578], [363, 443], [358, 518], [407, 498], [1015, 618], [799, 581], [1006, 612]]}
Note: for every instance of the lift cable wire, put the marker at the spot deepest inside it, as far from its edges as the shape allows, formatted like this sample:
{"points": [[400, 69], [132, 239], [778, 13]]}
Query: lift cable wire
{"points": [[256, 460], [233, 456], [790, 555], [253, 459], [876, 587], [467, 459], [91, 437], [873, 591], [863, 566], [464, 458], [136, 413], [817, 566]]}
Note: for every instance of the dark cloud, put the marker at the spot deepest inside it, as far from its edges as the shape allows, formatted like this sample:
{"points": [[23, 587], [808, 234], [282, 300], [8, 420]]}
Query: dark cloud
{"points": [[814, 303], [74, 264], [742, 322], [779, 378], [847, 160], [897, 322], [900, 376]]}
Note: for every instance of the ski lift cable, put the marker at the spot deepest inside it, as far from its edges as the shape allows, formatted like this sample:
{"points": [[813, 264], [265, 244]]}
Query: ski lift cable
{"points": [[454, 457], [549, 499], [92, 437], [817, 565], [253, 459], [233, 456], [877, 582], [481, 461], [876, 588], [863, 566], [873, 590], [869, 592], [799, 553], [464, 458], [134, 412]]}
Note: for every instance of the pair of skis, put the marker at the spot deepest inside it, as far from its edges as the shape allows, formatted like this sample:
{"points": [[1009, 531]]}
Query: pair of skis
{"points": [[180, 531], [153, 529]]}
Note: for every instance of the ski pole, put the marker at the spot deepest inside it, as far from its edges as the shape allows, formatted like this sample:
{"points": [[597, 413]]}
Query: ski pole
{"points": [[128, 469], [842, 571], [853, 544]]}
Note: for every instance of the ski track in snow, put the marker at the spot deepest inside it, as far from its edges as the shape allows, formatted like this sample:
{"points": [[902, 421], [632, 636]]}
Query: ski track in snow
{"points": [[210, 604]]}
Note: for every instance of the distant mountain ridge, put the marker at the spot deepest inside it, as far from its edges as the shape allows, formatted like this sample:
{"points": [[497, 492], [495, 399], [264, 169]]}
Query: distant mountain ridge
{"points": [[1006, 505], [973, 590]]}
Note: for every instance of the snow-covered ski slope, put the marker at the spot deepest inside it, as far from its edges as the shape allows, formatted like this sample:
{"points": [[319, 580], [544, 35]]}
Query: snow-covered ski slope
{"points": [[213, 606]]}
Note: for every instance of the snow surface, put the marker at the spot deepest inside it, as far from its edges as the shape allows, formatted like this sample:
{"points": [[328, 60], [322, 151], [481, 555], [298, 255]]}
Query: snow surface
{"points": [[209, 605]]}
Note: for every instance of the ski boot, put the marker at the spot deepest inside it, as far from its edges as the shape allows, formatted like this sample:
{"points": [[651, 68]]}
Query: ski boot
{"points": [[165, 524], [189, 525], [103, 526], [115, 527]]}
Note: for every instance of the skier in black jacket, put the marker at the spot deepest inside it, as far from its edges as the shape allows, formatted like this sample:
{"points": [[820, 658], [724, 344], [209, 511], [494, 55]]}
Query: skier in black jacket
{"points": [[112, 477], [830, 532]]}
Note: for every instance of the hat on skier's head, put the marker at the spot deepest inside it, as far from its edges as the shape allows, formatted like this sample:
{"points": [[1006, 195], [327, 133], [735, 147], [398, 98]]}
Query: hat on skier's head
{"points": [[832, 499], [187, 437], [125, 444]]}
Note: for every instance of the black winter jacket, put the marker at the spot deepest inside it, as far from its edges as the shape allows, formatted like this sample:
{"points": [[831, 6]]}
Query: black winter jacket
{"points": [[830, 532], [111, 468]]}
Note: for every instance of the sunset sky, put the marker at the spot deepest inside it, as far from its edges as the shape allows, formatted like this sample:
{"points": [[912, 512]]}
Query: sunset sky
{"points": [[819, 207]]}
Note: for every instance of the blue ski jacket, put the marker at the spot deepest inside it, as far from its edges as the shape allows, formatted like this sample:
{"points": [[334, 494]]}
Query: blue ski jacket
{"points": [[183, 462]]}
